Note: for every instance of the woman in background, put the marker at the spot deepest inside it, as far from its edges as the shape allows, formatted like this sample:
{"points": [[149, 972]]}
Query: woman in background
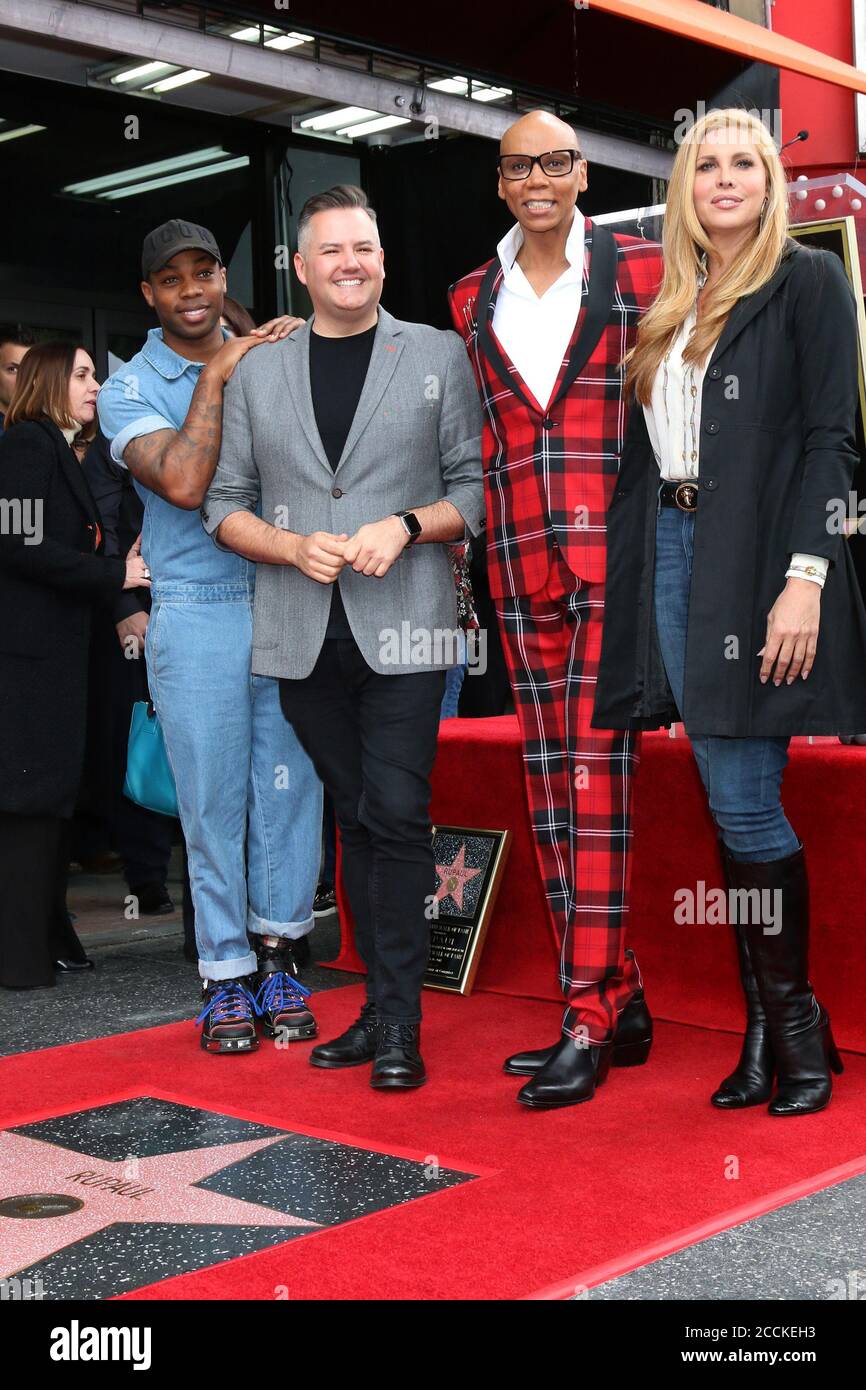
{"points": [[52, 571], [237, 320]]}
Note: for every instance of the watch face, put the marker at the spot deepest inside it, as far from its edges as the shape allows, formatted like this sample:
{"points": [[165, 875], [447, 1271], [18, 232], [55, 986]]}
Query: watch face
{"points": [[412, 524]]}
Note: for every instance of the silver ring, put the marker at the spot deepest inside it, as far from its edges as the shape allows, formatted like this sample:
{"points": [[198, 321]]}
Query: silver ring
{"points": [[146, 572]]}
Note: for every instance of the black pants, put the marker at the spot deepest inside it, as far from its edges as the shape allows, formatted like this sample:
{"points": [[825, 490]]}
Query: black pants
{"points": [[34, 925], [372, 740], [329, 842]]}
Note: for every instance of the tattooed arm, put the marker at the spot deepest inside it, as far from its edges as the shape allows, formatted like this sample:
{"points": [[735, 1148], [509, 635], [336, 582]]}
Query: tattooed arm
{"points": [[179, 464]]}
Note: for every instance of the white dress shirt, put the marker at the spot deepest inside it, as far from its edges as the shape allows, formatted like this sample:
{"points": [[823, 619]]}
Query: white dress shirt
{"points": [[673, 421], [535, 330]]}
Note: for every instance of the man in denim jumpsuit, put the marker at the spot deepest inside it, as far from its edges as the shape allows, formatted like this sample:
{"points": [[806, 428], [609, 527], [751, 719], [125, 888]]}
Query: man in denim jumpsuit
{"points": [[249, 800]]}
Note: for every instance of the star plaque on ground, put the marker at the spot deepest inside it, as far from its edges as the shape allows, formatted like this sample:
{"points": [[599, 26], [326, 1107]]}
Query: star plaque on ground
{"points": [[99, 1202]]}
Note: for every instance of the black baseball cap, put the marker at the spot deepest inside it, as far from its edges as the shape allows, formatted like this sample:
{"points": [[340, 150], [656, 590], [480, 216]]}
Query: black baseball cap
{"points": [[165, 241]]}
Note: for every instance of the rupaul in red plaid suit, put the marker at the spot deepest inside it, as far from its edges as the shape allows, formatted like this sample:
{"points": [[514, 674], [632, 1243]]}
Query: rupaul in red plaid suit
{"points": [[566, 296]]}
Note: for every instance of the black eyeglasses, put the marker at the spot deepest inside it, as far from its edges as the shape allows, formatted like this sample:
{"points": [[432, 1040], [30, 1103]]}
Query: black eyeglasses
{"points": [[555, 163]]}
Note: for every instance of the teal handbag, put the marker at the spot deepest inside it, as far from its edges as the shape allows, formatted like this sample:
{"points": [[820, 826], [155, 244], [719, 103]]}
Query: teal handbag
{"points": [[149, 780]]}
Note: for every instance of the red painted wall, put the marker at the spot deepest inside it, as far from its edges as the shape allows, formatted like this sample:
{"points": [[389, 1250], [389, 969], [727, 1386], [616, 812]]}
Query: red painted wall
{"points": [[827, 112]]}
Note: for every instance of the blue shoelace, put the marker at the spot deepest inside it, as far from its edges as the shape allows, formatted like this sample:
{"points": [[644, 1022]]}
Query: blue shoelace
{"points": [[231, 1003], [281, 991]]}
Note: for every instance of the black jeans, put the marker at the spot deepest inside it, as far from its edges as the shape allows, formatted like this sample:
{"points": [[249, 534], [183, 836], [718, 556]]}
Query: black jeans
{"points": [[372, 740]]}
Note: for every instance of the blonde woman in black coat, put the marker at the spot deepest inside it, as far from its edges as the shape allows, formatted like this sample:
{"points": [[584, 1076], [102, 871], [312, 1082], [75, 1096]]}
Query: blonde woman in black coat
{"points": [[52, 572], [731, 598]]}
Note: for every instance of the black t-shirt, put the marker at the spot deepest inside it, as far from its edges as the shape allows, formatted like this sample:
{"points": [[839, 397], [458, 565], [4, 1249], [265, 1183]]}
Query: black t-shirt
{"points": [[338, 370]]}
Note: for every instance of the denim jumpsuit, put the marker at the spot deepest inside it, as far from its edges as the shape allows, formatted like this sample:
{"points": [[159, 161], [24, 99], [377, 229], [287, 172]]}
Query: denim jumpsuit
{"points": [[250, 802]]}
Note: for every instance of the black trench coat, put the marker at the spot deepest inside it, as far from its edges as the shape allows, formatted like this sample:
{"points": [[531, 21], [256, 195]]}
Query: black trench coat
{"points": [[777, 446], [47, 591]]}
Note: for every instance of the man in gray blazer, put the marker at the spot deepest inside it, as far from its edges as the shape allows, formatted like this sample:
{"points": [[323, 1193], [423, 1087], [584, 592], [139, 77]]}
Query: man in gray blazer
{"points": [[357, 441]]}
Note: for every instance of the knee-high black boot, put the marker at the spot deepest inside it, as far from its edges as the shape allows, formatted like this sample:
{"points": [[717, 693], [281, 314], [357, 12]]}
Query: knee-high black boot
{"points": [[799, 1027], [751, 1081]]}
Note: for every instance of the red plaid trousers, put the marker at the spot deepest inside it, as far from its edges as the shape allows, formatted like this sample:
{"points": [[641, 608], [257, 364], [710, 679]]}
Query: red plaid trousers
{"points": [[579, 783]]}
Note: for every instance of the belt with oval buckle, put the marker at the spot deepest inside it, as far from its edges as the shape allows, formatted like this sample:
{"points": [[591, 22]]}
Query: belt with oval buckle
{"points": [[686, 496]]}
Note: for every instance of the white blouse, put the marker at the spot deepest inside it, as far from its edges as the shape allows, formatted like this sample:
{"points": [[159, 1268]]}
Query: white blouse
{"points": [[673, 417], [673, 421]]}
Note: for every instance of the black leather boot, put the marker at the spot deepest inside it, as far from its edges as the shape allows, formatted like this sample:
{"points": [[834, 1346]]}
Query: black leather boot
{"points": [[631, 1046], [352, 1048], [751, 1081], [799, 1028], [398, 1065], [569, 1077], [805, 1062]]}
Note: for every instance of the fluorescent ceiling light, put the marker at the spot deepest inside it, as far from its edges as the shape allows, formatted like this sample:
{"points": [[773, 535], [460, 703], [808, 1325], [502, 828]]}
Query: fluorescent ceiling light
{"points": [[330, 120], [455, 86], [370, 127], [21, 130], [289, 41], [143, 171], [143, 70], [282, 41], [180, 79], [251, 35], [490, 93], [459, 86], [183, 177]]}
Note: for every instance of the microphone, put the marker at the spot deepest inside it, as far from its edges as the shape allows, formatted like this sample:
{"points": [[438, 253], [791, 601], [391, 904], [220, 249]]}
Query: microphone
{"points": [[801, 135]]}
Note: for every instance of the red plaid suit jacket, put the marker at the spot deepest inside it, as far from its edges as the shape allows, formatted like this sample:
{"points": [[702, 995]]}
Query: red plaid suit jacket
{"points": [[549, 475]]}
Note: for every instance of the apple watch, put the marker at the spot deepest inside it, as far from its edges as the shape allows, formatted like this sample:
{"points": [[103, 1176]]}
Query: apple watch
{"points": [[411, 525]]}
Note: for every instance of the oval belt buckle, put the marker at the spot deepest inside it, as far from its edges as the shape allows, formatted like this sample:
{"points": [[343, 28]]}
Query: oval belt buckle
{"points": [[686, 497]]}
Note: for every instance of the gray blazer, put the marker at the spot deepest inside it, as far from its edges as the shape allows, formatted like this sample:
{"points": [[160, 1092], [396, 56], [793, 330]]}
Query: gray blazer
{"points": [[415, 439]]}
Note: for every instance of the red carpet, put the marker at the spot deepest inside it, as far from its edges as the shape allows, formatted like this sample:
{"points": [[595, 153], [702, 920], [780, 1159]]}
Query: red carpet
{"points": [[563, 1197], [690, 971]]}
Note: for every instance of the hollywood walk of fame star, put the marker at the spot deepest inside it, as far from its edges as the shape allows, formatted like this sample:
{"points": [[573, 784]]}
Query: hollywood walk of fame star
{"points": [[160, 1189], [454, 878]]}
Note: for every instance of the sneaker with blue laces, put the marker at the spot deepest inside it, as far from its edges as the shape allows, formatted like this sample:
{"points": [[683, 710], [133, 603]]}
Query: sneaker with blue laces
{"points": [[228, 1017], [281, 999]]}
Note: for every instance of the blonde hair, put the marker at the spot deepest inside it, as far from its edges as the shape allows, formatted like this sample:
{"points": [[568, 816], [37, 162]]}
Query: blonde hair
{"points": [[685, 243], [42, 388]]}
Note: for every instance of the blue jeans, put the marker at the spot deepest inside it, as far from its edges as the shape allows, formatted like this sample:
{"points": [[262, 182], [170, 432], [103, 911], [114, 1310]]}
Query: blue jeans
{"points": [[250, 802], [742, 776], [454, 684]]}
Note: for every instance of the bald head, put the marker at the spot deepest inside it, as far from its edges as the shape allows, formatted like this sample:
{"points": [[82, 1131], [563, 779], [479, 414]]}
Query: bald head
{"points": [[537, 128], [541, 199]]}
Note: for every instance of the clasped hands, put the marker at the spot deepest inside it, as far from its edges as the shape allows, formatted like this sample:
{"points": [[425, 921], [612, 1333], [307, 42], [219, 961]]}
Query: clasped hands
{"points": [[372, 550]]}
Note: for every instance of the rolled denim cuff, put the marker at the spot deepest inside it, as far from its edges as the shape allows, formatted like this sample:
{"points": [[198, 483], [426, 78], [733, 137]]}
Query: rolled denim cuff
{"points": [[236, 969], [292, 931]]}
